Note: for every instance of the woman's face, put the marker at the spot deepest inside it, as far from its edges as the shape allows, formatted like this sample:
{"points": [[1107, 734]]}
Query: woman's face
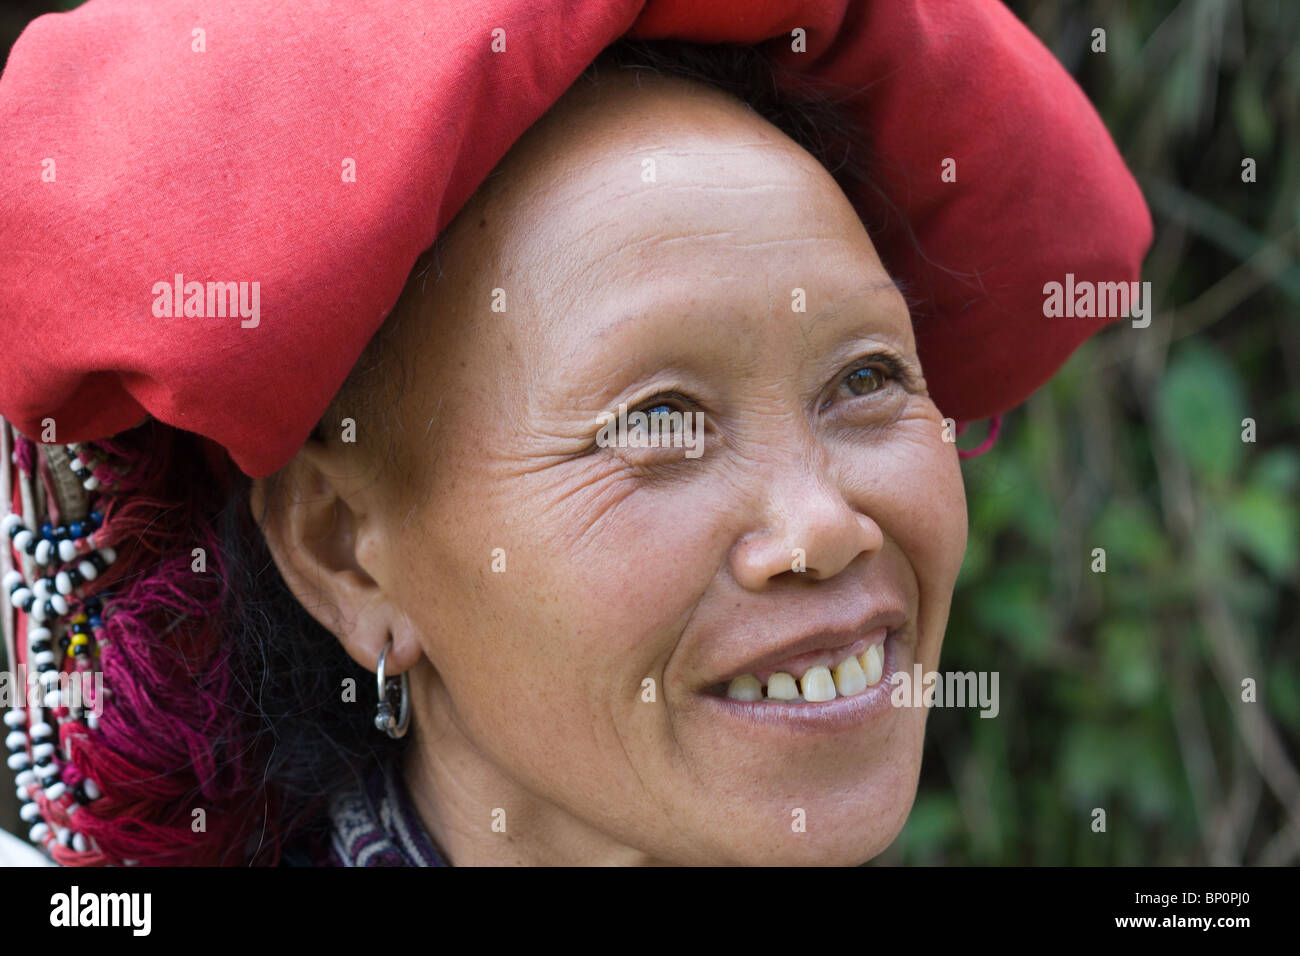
{"points": [[660, 247]]}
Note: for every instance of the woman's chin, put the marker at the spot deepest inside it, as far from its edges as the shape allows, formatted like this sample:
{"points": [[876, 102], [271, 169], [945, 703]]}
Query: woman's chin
{"points": [[844, 826], [845, 839]]}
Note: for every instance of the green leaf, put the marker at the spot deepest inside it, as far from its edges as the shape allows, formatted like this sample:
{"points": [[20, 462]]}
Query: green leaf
{"points": [[1263, 524], [1129, 659], [1277, 470], [1200, 409], [1012, 604], [1251, 116], [1128, 532]]}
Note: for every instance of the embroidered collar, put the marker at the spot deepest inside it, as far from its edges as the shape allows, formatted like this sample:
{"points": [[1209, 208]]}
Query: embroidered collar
{"points": [[374, 823]]}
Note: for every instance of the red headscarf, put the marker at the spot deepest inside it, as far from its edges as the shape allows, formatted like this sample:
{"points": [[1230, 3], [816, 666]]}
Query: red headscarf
{"points": [[141, 141]]}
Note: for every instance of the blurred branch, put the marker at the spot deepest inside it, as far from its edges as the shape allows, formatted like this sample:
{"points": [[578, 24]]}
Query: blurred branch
{"points": [[1264, 267], [1198, 756], [1221, 230], [1227, 655]]}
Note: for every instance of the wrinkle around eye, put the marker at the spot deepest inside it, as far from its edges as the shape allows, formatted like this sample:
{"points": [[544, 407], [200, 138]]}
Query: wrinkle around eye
{"points": [[591, 493]]}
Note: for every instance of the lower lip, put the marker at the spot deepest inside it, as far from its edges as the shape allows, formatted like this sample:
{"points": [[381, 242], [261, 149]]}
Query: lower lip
{"points": [[831, 716]]}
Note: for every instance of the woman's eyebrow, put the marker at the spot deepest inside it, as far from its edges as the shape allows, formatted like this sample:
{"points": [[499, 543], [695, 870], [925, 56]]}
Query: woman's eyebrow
{"points": [[866, 289], [669, 300]]}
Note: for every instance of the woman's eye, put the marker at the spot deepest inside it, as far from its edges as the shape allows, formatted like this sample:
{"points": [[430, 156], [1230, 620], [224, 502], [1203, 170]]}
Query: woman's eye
{"points": [[864, 381]]}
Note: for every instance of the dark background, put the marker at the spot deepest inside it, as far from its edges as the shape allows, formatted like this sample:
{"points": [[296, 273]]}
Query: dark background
{"points": [[1122, 690]]}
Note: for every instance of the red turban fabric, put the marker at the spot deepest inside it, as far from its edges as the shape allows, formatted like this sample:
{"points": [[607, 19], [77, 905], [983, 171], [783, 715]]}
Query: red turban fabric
{"points": [[142, 141]]}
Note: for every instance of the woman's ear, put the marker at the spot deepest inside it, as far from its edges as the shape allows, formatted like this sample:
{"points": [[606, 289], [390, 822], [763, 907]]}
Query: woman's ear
{"points": [[322, 519]]}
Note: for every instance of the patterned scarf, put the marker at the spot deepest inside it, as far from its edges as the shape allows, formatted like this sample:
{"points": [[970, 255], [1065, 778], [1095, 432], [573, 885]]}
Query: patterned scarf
{"points": [[375, 824]]}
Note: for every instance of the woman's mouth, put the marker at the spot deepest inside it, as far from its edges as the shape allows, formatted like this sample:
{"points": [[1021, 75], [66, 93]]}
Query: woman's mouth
{"points": [[849, 687], [814, 678]]}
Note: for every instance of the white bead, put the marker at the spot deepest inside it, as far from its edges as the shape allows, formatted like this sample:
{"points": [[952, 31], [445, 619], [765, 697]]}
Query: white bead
{"points": [[15, 718], [41, 731], [79, 842], [52, 699], [19, 761], [63, 583], [60, 605], [20, 596], [91, 483], [41, 751], [38, 611], [26, 778], [56, 791], [29, 813], [16, 739], [50, 679], [67, 549], [22, 539], [87, 570], [92, 722], [49, 770], [38, 634], [92, 789], [9, 521], [41, 588], [109, 555], [12, 580], [39, 833], [44, 551]]}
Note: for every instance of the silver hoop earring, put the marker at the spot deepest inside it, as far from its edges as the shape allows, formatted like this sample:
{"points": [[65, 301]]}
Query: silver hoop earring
{"points": [[394, 726]]}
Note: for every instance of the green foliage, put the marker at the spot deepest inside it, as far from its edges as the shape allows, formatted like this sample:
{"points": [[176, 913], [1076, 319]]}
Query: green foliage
{"points": [[1120, 690]]}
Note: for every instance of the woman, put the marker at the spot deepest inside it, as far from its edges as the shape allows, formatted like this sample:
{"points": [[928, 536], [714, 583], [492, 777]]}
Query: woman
{"points": [[605, 652]]}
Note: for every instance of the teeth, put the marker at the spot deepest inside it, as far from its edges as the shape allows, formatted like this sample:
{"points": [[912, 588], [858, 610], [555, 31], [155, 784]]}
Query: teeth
{"points": [[817, 684], [745, 687], [781, 686], [849, 679], [873, 663]]}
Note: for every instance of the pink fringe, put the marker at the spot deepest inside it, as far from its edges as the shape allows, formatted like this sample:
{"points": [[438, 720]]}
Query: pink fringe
{"points": [[995, 426], [169, 741]]}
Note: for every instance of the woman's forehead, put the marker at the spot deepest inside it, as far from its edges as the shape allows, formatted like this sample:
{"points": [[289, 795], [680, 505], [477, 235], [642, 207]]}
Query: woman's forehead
{"points": [[654, 182]]}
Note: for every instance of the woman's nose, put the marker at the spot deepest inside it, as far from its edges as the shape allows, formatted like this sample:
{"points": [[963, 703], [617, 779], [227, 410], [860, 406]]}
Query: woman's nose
{"points": [[806, 526]]}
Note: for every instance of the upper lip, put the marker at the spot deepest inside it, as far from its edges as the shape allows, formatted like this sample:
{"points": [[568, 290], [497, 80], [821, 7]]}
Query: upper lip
{"points": [[775, 649]]}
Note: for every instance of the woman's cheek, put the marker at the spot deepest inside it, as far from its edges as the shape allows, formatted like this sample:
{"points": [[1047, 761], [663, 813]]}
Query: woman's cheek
{"points": [[925, 500]]}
